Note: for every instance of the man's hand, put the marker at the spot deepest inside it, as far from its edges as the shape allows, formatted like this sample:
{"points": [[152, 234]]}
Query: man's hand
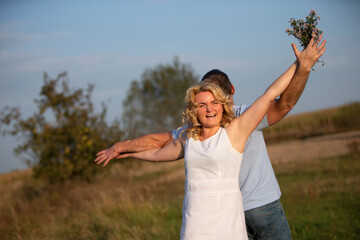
{"points": [[146, 142], [106, 155], [311, 54], [299, 74]]}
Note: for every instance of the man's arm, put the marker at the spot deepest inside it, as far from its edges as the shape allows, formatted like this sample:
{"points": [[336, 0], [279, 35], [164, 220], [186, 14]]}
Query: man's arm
{"points": [[146, 142], [305, 60], [170, 152]]}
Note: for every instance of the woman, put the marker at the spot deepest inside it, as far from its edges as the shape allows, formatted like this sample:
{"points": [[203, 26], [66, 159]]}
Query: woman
{"points": [[212, 148]]}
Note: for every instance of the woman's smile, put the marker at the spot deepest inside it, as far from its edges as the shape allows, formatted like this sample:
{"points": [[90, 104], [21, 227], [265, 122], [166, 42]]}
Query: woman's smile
{"points": [[211, 115], [209, 109]]}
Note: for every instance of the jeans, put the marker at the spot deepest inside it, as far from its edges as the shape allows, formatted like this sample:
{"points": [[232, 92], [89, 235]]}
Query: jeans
{"points": [[267, 222]]}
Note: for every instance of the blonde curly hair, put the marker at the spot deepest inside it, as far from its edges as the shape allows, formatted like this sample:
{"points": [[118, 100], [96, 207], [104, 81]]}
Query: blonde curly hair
{"points": [[190, 116]]}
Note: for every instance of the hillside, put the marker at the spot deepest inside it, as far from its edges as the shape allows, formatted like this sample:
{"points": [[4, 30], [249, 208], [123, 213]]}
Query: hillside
{"points": [[141, 200], [328, 121]]}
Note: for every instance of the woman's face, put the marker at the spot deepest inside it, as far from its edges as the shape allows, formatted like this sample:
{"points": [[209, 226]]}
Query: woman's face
{"points": [[209, 109]]}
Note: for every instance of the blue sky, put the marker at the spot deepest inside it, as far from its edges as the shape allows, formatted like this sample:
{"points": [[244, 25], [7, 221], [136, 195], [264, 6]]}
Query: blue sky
{"points": [[111, 43]]}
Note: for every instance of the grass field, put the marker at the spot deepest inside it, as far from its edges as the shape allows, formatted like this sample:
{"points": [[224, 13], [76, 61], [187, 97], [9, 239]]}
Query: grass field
{"points": [[321, 199], [305, 125], [140, 200]]}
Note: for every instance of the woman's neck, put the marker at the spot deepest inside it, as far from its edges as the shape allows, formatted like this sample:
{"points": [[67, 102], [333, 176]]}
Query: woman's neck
{"points": [[208, 132]]}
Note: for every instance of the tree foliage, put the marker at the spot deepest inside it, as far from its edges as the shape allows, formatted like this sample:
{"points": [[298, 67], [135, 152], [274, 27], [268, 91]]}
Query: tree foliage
{"points": [[154, 103], [63, 136]]}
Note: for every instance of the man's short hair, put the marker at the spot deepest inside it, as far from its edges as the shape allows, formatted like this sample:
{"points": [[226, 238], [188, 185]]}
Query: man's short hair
{"points": [[220, 78]]}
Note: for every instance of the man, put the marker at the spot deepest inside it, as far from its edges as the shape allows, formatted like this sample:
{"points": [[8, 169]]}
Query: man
{"points": [[264, 214]]}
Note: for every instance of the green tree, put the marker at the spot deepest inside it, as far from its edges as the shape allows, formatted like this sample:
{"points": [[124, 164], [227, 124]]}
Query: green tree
{"points": [[62, 138], [154, 104]]}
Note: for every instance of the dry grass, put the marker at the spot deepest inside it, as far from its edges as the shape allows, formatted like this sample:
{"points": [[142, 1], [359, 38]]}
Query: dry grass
{"points": [[330, 145], [328, 121], [320, 197], [139, 200], [121, 205]]}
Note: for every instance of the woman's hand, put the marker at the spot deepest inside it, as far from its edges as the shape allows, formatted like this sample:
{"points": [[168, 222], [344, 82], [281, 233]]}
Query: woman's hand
{"points": [[106, 155]]}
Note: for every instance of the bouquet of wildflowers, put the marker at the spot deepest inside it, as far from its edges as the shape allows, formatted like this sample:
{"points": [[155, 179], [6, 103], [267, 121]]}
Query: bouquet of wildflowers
{"points": [[305, 30]]}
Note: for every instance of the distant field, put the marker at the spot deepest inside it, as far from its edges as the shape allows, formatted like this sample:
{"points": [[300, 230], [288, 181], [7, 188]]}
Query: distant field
{"points": [[334, 120], [321, 197], [330, 145]]}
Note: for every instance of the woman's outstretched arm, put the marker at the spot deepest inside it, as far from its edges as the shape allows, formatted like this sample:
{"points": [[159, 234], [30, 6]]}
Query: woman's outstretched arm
{"points": [[146, 142], [171, 152], [240, 129], [299, 77]]}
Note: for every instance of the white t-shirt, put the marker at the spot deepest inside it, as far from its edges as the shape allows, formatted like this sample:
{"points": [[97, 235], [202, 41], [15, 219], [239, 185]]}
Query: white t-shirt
{"points": [[257, 179]]}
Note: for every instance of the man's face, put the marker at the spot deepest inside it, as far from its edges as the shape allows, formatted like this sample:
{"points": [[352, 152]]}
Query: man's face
{"points": [[209, 109]]}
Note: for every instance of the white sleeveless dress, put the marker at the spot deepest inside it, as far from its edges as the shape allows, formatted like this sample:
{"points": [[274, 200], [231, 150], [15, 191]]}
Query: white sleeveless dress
{"points": [[212, 207]]}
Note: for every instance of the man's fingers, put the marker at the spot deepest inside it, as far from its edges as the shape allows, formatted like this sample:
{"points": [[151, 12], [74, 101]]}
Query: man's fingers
{"points": [[122, 156], [311, 43], [98, 161], [296, 51], [106, 162], [322, 45], [105, 156], [101, 152], [101, 159], [322, 51], [317, 41]]}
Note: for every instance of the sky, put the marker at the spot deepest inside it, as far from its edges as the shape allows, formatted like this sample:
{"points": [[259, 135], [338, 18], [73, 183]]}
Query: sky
{"points": [[111, 43]]}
